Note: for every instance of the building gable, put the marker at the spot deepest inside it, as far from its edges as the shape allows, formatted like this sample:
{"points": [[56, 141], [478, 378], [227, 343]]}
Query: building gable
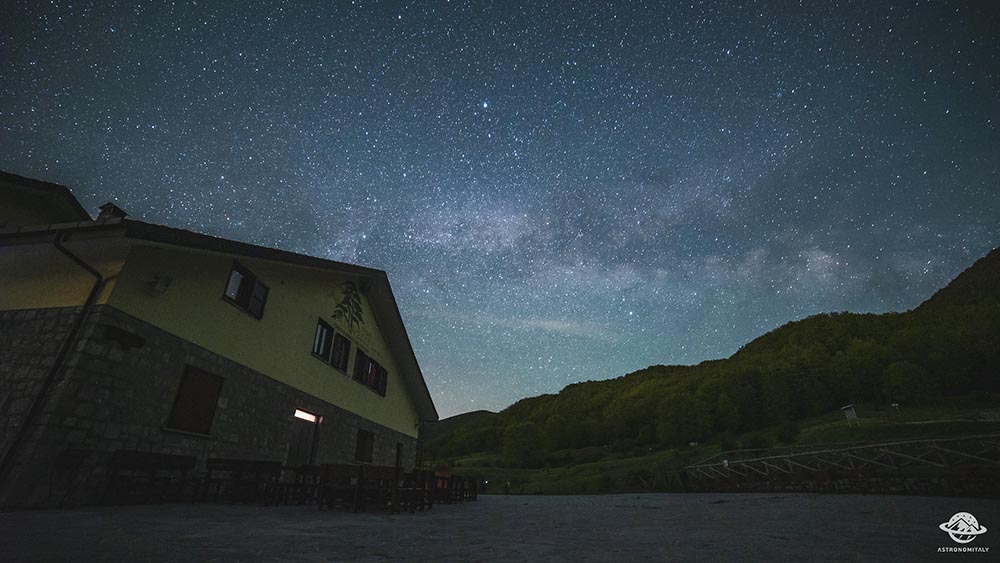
{"points": [[279, 342]]}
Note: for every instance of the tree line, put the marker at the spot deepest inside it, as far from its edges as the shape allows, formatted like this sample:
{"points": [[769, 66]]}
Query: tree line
{"points": [[949, 346]]}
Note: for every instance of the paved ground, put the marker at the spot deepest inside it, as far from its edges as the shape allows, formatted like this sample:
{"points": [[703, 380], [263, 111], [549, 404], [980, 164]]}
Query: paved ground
{"points": [[649, 527]]}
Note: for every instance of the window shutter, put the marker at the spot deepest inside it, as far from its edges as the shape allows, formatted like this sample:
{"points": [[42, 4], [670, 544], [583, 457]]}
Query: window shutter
{"points": [[341, 352], [245, 291], [196, 400], [361, 366], [321, 342], [257, 299], [233, 286], [383, 380]]}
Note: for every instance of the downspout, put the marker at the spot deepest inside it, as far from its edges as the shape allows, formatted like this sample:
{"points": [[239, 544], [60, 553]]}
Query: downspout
{"points": [[418, 461], [36, 404]]}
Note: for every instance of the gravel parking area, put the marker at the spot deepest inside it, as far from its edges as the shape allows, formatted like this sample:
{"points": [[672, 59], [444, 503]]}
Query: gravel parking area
{"points": [[645, 527]]}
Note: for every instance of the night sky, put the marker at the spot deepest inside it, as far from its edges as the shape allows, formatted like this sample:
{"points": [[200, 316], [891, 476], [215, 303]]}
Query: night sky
{"points": [[559, 191]]}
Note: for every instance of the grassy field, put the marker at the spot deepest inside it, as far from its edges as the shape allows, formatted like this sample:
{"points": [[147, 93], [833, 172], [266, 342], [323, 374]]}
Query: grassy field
{"points": [[604, 470]]}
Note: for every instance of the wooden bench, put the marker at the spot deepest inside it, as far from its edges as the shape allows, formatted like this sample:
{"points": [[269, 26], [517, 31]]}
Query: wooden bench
{"points": [[416, 491], [472, 490], [442, 493], [239, 480], [375, 487], [378, 487], [143, 477], [296, 485], [458, 486], [339, 486]]}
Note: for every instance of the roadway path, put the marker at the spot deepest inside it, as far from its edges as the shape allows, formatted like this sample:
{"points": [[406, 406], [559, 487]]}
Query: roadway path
{"points": [[644, 527]]}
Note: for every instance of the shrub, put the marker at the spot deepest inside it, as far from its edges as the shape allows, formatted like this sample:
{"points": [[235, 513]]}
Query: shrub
{"points": [[727, 441], [787, 432], [755, 441]]}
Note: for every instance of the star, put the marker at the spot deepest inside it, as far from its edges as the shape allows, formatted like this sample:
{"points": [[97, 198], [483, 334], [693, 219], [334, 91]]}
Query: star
{"points": [[659, 184]]}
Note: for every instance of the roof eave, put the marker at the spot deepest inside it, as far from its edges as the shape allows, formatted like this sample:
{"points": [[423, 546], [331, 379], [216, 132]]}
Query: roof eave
{"points": [[56, 191]]}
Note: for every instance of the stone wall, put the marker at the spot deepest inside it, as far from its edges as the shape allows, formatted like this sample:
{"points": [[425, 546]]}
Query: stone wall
{"points": [[29, 342], [117, 390]]}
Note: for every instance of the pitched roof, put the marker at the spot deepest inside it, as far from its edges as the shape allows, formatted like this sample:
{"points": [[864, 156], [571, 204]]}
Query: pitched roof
{"points": [[56, 197], [379, 293]]}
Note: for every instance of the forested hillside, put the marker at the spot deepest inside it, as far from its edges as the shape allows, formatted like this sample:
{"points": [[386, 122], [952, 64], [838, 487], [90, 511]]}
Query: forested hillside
{"points": [[949, 346]]}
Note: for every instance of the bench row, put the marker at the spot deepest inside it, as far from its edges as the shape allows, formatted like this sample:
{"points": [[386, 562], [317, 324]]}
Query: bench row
{"points": [[144, 477]]}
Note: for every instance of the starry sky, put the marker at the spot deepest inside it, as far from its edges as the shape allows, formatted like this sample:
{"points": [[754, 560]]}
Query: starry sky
{"points": [[559, 191]]}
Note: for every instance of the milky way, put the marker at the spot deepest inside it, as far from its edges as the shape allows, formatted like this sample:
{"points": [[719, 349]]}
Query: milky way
{"points": [[559, 191]]}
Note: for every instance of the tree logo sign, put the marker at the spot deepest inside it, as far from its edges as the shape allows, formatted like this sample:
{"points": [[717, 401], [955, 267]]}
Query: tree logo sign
{"points": [[349, 308]]}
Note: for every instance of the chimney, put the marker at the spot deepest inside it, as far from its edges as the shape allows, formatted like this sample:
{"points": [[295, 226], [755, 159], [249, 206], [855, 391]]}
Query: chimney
{"points": [[110, 211]]}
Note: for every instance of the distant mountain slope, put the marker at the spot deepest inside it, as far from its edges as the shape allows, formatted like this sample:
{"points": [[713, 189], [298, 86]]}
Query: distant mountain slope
{"points": [[948, 346], [433, 430], [978, 285]]}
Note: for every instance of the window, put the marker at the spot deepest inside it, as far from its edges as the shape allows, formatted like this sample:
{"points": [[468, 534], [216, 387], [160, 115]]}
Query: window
{"points": [[365, 447], [370, 373], [245, 291], [194, 406], [322, 341], [377, 378], [341, 352], [360, 366], [331, 347], [383, 381]]}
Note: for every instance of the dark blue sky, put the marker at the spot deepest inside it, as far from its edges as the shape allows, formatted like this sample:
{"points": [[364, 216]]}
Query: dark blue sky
{"points": [[559, 191]]}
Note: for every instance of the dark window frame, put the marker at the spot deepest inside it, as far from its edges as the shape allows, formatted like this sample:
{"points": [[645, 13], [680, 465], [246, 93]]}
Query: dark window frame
{"points": [[370, 373], [326, 344], [383, 381], [335, 344], [364, 446], [340, 359], [186, 401], [360, 359], [250, 295]]}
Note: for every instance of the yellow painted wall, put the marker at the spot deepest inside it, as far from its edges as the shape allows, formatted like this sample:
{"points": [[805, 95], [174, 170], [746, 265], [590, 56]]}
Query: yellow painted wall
{"points": [[35, 276], [280, 344]]}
